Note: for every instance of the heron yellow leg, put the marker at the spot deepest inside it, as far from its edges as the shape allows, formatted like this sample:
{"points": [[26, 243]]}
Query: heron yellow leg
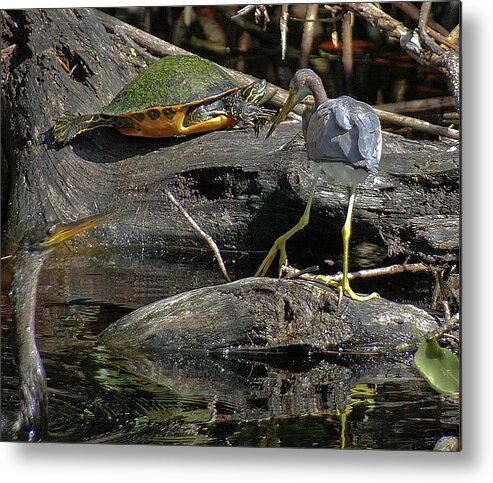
{"points": [[280, 244], [343, 286]]}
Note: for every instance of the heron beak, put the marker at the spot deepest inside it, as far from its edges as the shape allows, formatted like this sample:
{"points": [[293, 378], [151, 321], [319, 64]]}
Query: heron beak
{"points": [[65, 231], [291, 101]]}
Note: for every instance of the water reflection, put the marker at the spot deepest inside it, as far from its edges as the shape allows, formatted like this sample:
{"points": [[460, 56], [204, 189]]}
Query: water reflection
{"points": [[96, 397], [165, 398]]}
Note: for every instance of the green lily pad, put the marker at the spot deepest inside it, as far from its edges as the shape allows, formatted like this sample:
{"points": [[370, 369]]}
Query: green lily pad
{"points": [[439, 366]]}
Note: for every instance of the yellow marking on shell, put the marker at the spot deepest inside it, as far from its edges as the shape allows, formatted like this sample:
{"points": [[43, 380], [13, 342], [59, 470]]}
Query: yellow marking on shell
{"points": [[168, 126]]}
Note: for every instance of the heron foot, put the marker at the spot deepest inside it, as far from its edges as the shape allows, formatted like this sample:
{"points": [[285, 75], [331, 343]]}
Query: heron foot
{"points": [[279, 246], [344, 288]]}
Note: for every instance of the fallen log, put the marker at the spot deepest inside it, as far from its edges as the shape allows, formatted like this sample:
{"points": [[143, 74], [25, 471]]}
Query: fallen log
{"points": [[263, 314], [244, 191]]}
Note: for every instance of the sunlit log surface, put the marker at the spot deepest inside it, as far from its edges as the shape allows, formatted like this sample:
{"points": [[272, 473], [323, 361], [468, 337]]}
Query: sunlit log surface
{"points": [[267, 314], [243, 190]]}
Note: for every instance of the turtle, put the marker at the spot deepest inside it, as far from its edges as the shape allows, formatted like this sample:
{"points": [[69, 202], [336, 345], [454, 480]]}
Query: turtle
{"points": [[176, 95]]}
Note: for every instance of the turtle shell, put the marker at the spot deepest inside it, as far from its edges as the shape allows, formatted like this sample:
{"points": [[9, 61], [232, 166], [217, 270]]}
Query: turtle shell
{"points": [[176, 80], [177, 95]]}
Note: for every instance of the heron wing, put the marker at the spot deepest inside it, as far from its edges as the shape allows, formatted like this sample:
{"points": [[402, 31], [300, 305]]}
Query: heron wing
{"points": [[342, 116], [370, 138], [347, 130]]}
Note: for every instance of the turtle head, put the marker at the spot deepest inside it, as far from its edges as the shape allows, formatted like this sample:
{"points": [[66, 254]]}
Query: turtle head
{"points": [[244, 105], [250, 114], [253, 92]]}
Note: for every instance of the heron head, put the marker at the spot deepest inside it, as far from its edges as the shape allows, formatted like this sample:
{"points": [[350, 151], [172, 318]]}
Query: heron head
{"points": [[301, 84], [304, 83]]}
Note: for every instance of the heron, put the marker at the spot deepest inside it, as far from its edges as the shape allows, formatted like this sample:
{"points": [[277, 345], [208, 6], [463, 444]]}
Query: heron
{"points": [[32, 419], [343, 137]]}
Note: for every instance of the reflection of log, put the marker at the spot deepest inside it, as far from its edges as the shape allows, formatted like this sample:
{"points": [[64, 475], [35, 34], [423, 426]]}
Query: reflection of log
{"points": [[252, 389], [267, 314], [244, 191]]}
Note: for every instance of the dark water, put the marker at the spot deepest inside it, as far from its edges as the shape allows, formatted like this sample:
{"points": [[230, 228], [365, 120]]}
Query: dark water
{"points": [[98, 396]]}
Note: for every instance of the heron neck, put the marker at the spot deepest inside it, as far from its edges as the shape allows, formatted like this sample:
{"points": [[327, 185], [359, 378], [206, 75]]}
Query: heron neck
{"points": [[318, 91], [32, 419]]}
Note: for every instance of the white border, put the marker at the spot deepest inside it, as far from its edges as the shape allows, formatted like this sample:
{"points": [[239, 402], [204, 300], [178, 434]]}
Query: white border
{"points": [[83, 463]]}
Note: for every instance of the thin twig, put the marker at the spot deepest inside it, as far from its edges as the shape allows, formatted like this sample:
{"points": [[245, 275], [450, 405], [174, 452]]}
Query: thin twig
{"points": [[260, 11], [318, 20], [294, 273], [369, 273], [450, 336], [446, 311], [376, 16], [188, 15], [451, 323], [413, 12], [444, 328], [201, 232], [243, 11]]}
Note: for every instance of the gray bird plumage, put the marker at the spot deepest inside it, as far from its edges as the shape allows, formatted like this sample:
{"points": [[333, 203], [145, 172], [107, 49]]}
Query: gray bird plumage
{"points": [[344, 130], [343, 138], [341, 130]]}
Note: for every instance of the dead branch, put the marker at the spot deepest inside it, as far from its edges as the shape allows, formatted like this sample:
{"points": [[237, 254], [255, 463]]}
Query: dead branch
{"points": [[283, 26], [416, 105], [418, 124], [425, 52], [292, 272], [347, 46], [413, 12], [260, 12]]}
